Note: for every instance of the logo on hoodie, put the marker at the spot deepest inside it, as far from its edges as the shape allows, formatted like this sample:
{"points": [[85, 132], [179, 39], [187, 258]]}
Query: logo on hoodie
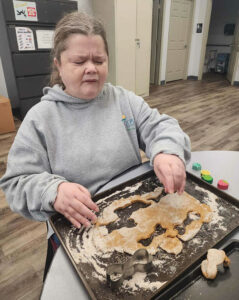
{"points": [[128, 123]]}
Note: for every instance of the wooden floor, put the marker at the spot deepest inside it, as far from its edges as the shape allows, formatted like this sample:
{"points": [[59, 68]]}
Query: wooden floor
{"points": [[207, 110]]}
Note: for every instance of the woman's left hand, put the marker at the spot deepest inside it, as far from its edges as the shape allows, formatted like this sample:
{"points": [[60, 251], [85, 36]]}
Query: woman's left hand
{"points": [[171, 172]]}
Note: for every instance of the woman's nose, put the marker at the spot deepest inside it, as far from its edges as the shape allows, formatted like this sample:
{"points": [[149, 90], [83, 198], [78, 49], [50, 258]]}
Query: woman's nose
{"points": [[90, 67]]}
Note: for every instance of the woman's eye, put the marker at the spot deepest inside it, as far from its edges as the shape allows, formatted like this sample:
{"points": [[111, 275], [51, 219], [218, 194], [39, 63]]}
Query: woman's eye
{"points": [[79, 62], [99, 62]]}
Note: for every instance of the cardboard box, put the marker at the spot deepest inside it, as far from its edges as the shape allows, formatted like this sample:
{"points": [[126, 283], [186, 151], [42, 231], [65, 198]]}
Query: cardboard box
{"points": [[6, 117]]}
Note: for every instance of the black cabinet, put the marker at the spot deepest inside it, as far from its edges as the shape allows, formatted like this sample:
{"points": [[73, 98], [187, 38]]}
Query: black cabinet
{"points": [[31, 63], [25, 31]]}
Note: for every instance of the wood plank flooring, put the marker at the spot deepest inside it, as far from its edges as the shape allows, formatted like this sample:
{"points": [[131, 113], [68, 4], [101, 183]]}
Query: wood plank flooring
{"points": [[207, 110], [22, 244]]}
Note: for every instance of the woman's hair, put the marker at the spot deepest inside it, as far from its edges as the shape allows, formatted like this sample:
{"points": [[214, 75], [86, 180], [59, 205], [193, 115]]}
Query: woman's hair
{"points": [[73, 23]]}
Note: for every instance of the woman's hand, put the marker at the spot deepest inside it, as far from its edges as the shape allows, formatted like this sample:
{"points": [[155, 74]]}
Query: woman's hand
{"points": [[170, 170], [75, 203]]}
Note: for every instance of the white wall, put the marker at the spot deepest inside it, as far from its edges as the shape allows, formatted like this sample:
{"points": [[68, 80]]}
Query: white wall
{"points": [[86, 6], [200, 7]]}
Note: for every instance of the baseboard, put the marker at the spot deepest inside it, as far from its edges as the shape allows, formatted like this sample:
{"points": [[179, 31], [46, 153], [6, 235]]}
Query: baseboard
{"points": [[192, 78], [162, 82], [236, 83]]}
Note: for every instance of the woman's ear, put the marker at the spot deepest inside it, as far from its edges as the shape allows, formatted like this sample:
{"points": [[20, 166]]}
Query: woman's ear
{"points": [[56, 63]]}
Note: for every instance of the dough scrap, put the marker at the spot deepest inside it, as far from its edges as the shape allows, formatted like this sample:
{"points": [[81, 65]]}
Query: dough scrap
{"points": [[171, 211], [109, 215], [215, 257]]}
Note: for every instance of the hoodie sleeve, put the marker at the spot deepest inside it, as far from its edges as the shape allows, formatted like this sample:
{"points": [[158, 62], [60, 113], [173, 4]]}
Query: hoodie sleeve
{"points": [[158, 133], [28, 183]]}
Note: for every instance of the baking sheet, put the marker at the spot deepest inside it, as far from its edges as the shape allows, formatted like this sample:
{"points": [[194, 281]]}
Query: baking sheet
{"points": [[194, 286], [167, 267]]}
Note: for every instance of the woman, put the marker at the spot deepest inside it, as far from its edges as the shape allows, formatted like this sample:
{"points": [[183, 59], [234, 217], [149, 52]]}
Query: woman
{"points": [[84, 132]]}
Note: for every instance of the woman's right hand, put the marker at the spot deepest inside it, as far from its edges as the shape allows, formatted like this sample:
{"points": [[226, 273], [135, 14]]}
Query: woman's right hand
{"points": [[75, 203]]}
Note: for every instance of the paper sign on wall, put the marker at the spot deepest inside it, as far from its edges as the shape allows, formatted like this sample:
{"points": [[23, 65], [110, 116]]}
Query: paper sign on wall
{"points": [[44, 39], [25, 10], [25, 39]]}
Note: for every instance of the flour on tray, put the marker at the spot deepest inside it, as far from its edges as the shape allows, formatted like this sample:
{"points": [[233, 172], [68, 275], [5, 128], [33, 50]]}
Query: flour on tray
{"points": [[211, 200], [90, 249]]}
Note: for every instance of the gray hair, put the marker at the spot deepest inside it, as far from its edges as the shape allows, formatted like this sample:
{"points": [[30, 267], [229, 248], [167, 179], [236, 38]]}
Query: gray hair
{"points": [[73, 23]]}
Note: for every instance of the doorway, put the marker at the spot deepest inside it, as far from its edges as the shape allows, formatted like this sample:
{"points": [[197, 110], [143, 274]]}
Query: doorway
{"points": [[221, 49], [171, 34]]}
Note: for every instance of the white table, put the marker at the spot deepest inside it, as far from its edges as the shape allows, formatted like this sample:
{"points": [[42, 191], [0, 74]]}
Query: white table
{"points": [[62, 281], [222, 165]]}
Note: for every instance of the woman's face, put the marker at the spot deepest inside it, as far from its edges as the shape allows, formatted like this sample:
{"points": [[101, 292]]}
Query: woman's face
{"points": [[84, 65]]}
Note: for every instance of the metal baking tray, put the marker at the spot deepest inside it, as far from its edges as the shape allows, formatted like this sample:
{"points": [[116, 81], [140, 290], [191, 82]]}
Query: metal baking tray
{"points": [[171, 267], [192, 284]]}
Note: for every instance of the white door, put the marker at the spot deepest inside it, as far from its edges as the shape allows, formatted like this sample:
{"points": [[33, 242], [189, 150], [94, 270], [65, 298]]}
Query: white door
{"points": [[179, 26], [234, 55], [143, 46]]}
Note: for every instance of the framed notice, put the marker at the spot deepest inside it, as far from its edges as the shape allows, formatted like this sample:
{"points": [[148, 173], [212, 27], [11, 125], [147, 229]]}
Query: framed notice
{"points": [[25, 39], [25, 10], [45, 39]]}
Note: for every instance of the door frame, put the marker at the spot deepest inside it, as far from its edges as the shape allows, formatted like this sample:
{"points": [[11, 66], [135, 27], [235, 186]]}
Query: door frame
{"points": [[234, 72], [205, 37], [234, 82], [154, 41], [190, 39], [158, 43], [163, 21], [159, 37]]}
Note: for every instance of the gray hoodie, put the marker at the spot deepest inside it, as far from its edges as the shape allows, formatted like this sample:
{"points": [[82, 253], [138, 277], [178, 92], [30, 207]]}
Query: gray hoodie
{"points": [[89, 142]]}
